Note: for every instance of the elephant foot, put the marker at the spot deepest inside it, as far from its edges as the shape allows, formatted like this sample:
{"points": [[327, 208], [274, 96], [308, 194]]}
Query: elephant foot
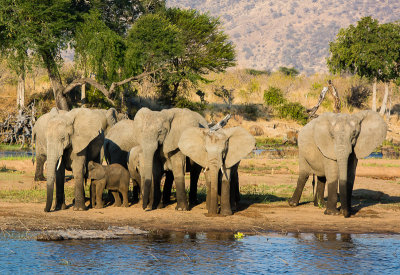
{"points": [[125, 204], [182, 206], [293, 203], [46, 209], [116, 205], [80, 208], [40, 178], [160, 205], [346, 213], [334, 212], [226, 212], [98, 206], [60, 207]]}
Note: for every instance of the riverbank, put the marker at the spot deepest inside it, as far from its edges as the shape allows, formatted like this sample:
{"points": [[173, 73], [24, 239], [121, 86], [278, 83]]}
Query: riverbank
{"points": [[265, 186]]}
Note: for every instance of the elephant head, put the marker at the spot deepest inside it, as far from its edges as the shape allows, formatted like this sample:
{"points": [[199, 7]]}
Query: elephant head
{"points": [[339, 135], [215, 151], [67, 134], [153, 128]]}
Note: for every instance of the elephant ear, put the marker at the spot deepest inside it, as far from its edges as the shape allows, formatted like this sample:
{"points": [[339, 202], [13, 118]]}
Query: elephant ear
{"points": [[96, 171], [87, 126], [372, 133], [174, 130], [241, 143], [192, 144], [134, 156], [322, 135]]}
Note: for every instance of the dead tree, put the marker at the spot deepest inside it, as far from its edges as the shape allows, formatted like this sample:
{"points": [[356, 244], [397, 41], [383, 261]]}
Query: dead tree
{"points": [[311, 112]]}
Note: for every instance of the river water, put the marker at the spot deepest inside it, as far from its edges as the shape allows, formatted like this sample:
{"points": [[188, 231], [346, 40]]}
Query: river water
{"points": [[204, 253]]}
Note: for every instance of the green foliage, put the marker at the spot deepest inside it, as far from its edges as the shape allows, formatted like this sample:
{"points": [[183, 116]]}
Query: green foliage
{"points": [[98, 49], [358, 96], [289, 71], [274, 97], [369, 49], [183, 102], [225, 94], [249, 111], [252, 88], [316, 86], [293, 110], [257, 72], [97, 99]]}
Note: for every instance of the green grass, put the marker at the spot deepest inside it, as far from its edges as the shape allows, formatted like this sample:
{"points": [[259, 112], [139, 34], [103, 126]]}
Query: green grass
{"points": [[267, 142], [380, 164], [16, 158], [12, 147], [31, 195]]}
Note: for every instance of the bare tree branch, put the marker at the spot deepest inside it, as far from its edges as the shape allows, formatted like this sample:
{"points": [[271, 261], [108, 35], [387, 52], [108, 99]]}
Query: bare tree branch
{"points": [[101, 87]]}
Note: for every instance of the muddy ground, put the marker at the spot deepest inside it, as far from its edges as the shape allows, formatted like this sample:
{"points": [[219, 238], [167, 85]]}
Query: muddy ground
{"points": [[265, 184]]}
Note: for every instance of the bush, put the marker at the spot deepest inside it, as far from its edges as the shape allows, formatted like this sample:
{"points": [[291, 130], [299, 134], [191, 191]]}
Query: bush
{"points": [[358, 96], [274, 96], [257, 72], [293, 110], [183, 102]]}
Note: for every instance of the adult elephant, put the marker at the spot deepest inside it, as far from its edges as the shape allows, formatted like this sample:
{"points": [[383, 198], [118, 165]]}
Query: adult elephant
{"points": [[155, 132], [73, 139], [329, 147], [40, 140], [218, 151]]}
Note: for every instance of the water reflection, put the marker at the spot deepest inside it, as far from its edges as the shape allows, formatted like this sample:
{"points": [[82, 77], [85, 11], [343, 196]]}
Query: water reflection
{"points": [[179, 252]]}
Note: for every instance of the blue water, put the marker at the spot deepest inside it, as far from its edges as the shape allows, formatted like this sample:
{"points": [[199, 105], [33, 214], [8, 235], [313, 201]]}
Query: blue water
{"points": [[177, 253]]}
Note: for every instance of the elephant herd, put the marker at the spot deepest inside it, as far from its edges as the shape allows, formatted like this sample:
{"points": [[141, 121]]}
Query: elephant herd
{"points": [[154, 143], [175, 141]]}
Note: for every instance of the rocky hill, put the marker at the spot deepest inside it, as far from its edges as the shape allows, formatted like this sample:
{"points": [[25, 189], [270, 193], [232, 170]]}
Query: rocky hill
{"points": [[270, 33]]}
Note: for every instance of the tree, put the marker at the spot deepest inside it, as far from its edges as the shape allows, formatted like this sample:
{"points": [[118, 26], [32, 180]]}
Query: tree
{"points": [[46, 28], [370, 50], [195, 46], [289, 71]]}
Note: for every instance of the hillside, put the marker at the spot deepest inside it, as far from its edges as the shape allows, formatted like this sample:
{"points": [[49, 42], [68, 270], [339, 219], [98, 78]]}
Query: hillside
{"points": [[269, 34]]}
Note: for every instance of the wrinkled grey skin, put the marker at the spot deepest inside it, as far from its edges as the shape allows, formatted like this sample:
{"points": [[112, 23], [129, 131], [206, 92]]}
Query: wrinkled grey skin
{"points": [[155, 132], [329, 147], [112, 177], [39, 136], [218, 151], [40, 141], [73, 139]]}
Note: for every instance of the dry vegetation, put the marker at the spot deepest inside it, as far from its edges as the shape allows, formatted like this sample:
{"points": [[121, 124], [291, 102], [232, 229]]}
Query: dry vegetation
{"points": [[269, 34]]}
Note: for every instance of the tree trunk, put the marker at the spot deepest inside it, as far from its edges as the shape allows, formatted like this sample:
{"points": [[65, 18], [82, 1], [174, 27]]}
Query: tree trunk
{"points": [[55, 79], [21, 91], [385, 98], [374, 96], [83, 92]]}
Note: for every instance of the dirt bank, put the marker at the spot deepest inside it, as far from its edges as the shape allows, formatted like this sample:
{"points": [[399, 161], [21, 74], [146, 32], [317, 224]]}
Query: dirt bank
{"points": [[376, 203]]}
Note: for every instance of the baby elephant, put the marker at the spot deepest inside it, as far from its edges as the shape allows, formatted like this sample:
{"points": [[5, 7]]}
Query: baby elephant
{"points": [[112, 177]]}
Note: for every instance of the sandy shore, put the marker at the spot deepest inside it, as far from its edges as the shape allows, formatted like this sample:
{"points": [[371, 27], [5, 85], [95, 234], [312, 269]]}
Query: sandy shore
{"points": [[376, 203]]}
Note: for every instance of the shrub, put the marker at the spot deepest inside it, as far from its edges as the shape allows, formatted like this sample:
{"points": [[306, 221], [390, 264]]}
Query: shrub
{"points": [[293, 110], [257, 72], [183, 102], [358, 96], [274, 96]]}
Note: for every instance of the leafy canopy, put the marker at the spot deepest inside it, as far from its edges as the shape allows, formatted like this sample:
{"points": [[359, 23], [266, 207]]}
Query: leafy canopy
{"points": [[369, 49]]}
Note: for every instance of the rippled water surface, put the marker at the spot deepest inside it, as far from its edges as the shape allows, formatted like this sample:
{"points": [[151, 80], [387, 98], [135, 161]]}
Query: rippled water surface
{"points": [[201, 253]]}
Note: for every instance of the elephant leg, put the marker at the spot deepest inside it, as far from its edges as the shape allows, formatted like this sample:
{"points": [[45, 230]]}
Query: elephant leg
{"points": [[208, 188], [92, 194], [351, 175], [301, 181], [319, 194], [117, 198], [100, 185], [225, 196], [169, 180], [194, 178], [78, 165], [60, 179], [124, 192], [234, 188], [178, 168], [332, 198], [40, 160]]}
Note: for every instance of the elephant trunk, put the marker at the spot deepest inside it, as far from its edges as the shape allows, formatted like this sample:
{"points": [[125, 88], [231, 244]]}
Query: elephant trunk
{"points": [[343, 190], [53, 157], [213, 200]]}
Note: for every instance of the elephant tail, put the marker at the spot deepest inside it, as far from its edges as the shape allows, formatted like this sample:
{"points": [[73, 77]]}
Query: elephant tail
{"points": [[33, 142], [313, 185]]}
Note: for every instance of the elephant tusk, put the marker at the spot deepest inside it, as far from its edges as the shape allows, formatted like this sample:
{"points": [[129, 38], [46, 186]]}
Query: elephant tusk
{"points": [[206, 169], [59, 163]]}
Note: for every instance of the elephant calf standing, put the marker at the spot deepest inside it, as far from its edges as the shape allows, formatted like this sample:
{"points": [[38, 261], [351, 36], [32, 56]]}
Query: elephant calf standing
{"points": [[113, 177], [329, 147]]}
